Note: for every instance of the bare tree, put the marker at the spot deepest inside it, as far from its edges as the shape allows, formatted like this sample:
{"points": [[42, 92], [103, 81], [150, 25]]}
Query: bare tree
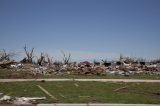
{"points": [[41, 59], [96, 63], [4, 56], [142, 61], [45, 59], [49, 60], [121, 57], [66, 59], [106, 63], [155, 61], [29, 55]]}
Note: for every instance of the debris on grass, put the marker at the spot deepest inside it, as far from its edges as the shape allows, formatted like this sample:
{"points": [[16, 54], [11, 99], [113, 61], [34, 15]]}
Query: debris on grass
{"points": [[6, 98], [84, 96], [121, 88], [1, 94], [46, 92], [62, 95], [76, 84], [27, 100], [20, 100]]}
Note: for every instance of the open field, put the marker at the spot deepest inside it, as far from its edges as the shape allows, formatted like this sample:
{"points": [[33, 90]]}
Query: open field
{"points": [[87, 92], [10, 73]]}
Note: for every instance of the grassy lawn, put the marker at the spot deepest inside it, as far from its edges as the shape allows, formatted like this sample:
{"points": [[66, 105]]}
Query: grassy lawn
{"points": [[11, 73], [140, 76], [87, 92]]}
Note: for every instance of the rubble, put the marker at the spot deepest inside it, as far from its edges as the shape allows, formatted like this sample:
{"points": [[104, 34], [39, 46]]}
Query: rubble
{"points": [[123, 66], [39, 70], [6, 98], [19, 65], [85, 63], [20, 100], [44, 65], [88, 68], [6, 64], [26, 100], [1, 94]]}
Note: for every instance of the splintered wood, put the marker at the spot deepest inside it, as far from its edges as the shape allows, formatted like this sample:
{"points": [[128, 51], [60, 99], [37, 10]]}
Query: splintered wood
{"points": [[121, 88], [46, 92]]}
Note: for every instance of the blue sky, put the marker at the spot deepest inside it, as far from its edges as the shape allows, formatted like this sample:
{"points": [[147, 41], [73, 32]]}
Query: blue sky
{"points": [[88, 29]]}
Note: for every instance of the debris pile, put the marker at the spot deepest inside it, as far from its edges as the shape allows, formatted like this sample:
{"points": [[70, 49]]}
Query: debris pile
{"points": [[44, 65], [85, 68], [19, 100]]}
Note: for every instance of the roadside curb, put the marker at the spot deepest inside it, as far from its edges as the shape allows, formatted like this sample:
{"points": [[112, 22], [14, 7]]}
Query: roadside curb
{"points": [[91, 104], [96, 80]]}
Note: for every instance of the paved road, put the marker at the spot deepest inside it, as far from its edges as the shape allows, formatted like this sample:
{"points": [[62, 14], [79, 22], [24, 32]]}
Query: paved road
{"points": [[98, 80]]}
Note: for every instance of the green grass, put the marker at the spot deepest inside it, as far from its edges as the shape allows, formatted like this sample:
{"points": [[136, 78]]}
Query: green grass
{"points": [[87, 92], [11, 73], [138, 76]]}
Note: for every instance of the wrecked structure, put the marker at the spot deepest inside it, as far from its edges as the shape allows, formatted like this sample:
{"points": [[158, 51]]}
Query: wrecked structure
{"points": [[85, 68], [46, 66]]}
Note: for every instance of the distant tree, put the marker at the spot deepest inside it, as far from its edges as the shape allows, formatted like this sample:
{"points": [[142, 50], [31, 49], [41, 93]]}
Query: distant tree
{"points": [[96, 63], [49, 60], [41, 59], [6, 56], [29, 55], [106, 63], [121, 57], [66, 59], [155, 61], [142, 61]]}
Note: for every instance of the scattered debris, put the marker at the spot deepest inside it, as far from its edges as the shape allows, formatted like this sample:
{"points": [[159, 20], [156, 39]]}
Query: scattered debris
{"points": [[45, 91], [6, 98], [6, 64], [76, 84], [45, 66], [85, 63], [62, 96], [27, 100], [121, 88], [20, 100], [84, 96], [1, 94], [19, 65]]}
